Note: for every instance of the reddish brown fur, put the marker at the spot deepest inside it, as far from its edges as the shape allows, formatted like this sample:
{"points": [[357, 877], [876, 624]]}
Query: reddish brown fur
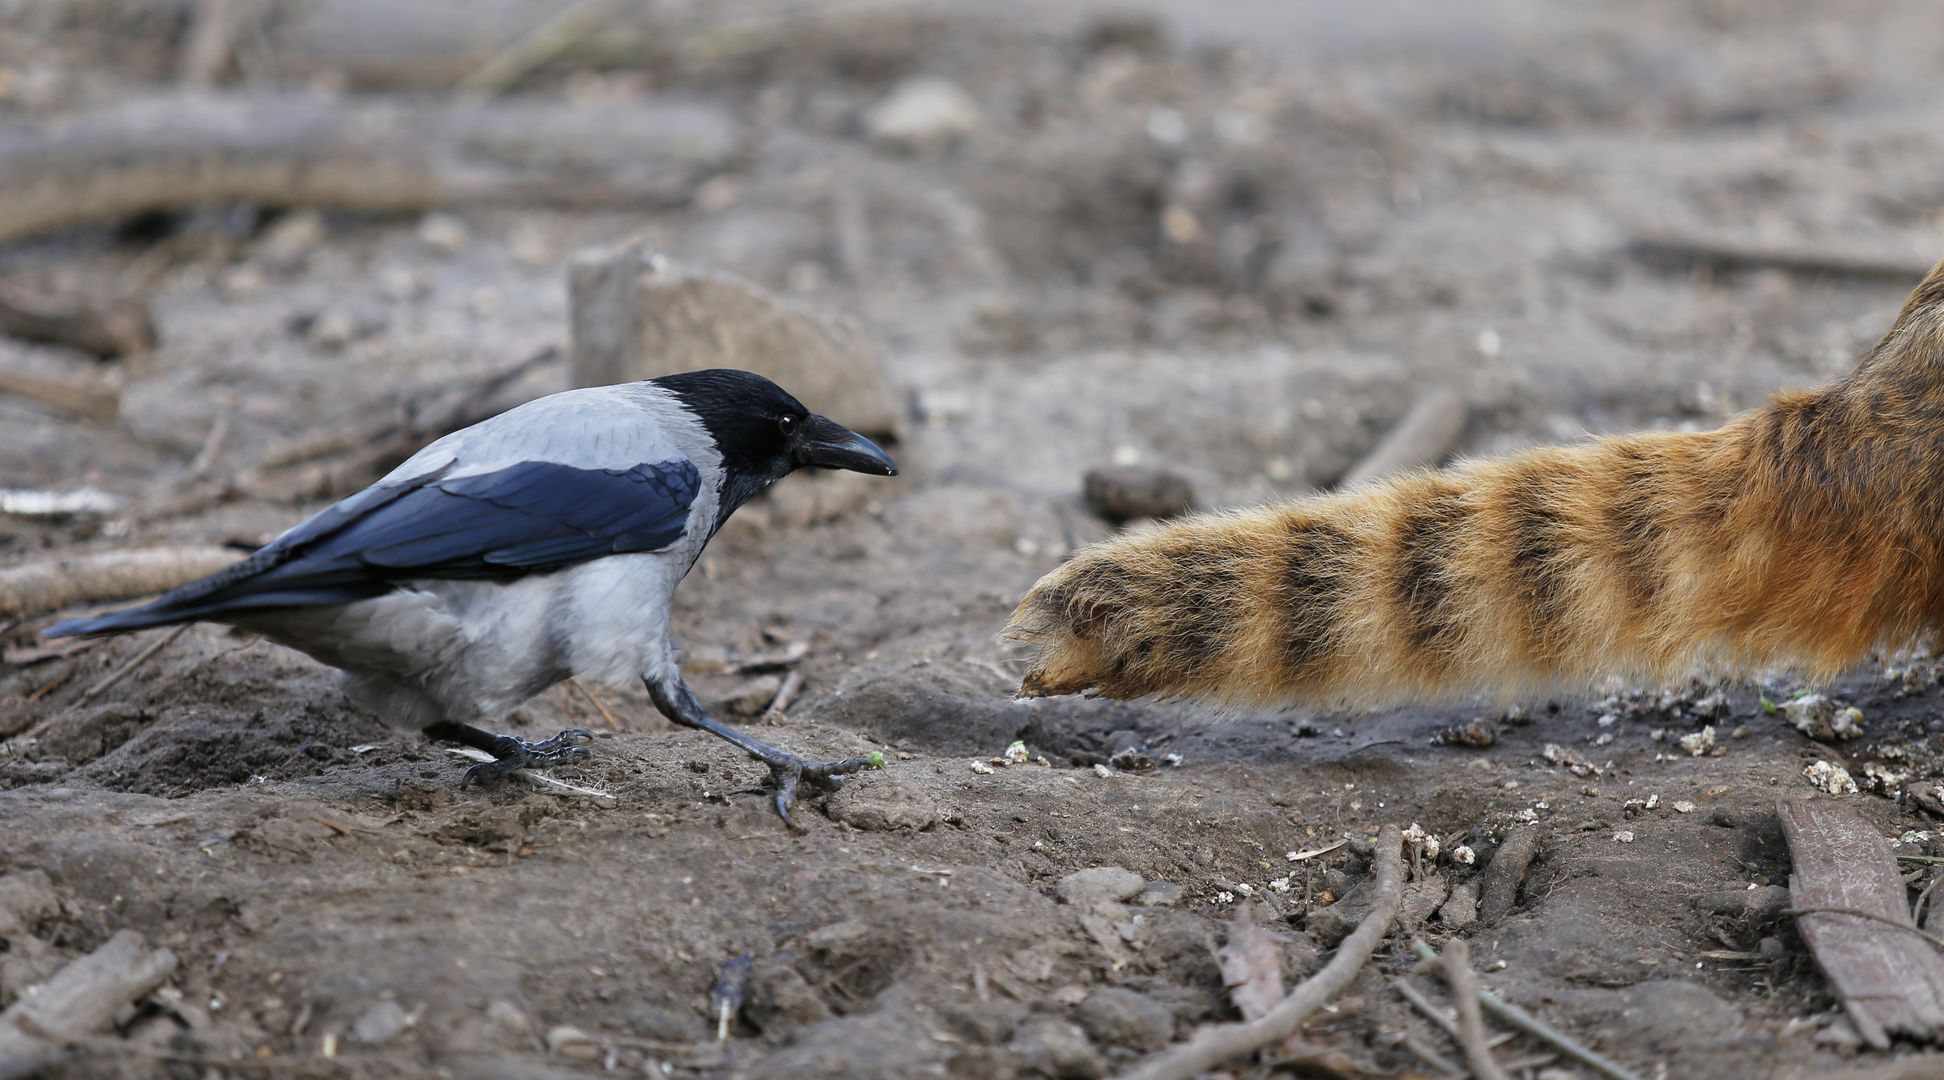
{"points": [[1805, 533]]}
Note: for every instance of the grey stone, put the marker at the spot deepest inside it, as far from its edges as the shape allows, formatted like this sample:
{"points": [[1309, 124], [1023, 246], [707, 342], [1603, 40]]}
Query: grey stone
{"points": [[1460, 909], [1098, 885], [1159, 894], [1058, 1048], [884, 801], [1122, 493], [638, 315], [923, 113], [1120, 1017], [383, 1022]]}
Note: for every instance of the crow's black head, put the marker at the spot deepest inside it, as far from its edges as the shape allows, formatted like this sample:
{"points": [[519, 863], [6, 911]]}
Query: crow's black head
{"points": [[764, 434]]}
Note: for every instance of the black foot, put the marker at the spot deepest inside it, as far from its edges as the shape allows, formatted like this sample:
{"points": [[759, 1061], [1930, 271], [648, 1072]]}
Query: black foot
{"points": [[787, 771], [514, 753]]}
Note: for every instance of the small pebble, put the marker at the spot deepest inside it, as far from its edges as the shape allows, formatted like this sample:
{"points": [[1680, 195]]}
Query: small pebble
{"points": [[1122, 493], [382, 1022], [1097, 885]]}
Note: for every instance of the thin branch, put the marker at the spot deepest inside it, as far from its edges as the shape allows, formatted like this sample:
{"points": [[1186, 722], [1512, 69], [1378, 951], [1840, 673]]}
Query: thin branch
{"points": [[134, 662], [536, 49], [1218, 1043], [1455, 966], [1539, 1029], [1424, 1005], [599, 707]]}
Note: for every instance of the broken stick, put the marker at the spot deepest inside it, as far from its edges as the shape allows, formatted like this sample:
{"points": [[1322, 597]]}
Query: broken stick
{"points": [[1218, 1043], [1423, 436], [1506, 872], [80, 1001], [39, 587], [105, 326], [85, 398], [170, 152], [1455, 966], [1854, 916], [1727, 252]]}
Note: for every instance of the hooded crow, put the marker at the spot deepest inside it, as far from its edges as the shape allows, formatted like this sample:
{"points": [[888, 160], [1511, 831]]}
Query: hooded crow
{"points": [[543, 543]]}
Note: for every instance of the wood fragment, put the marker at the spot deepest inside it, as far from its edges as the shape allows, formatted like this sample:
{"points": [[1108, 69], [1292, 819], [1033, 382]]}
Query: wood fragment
{"points": [[1455, 967], [218, 431], [1430, 1056], [1506, 872], [533, 50], [161, 642], [785, 694], [1729, 252], [1888, 986], [1215, 1044], [1424, 436], [170, 152], [81, 397], [1445, 1021], [211, 41], [80, 1001], [106, 326], [39, 587], [599, 706]]}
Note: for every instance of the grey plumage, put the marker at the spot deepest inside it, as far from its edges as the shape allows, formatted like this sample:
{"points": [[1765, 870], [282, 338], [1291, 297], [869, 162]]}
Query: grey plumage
{"points": [[543, 543]]}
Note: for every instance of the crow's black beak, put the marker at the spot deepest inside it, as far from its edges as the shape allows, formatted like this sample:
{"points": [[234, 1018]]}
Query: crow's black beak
{"points": [[827, 444]]}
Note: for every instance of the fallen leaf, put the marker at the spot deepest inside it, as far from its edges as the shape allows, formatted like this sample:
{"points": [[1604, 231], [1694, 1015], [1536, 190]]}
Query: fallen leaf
{"points": [[1251, 963]]}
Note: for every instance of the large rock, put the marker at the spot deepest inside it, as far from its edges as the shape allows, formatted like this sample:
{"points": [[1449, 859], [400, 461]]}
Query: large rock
{"points": [[638, 314]]}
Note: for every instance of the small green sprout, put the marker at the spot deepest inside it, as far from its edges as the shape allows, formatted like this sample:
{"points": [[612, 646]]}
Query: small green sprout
{"points": [[874, 760]]}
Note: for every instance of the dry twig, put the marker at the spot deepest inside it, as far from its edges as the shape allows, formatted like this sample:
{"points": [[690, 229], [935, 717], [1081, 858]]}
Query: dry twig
{"points": [[1218, 1043], [1506, 873], [39, 587], [599, 706], [106, 326], [547, 41], [1519, 1018], [166, 152], [79, 1001], [85, 398], [140, 658], [1455, 966], [1423, 436], [1729, 252], [785, 694]]}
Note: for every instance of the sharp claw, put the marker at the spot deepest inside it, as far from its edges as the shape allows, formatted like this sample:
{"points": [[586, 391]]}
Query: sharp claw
{"points": [[563, 747], [786, 777]]}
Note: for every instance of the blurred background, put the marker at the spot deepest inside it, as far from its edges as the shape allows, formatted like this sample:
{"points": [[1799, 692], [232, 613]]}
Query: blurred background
{"points": [[253, 252]]}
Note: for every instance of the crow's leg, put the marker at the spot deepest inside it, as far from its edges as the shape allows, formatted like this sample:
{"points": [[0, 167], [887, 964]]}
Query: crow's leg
{"points": [[509, 752], [677, 702]]}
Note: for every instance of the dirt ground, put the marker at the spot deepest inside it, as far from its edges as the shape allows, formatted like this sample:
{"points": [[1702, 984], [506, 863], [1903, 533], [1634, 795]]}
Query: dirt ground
{"points": [[1237, 240]]}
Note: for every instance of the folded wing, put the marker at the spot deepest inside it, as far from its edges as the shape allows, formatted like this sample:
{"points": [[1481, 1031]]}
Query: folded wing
{"points": [[522, 518]]}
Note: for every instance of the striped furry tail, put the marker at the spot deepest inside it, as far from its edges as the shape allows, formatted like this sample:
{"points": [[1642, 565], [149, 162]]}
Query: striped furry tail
{"points": [[1803, 534]]}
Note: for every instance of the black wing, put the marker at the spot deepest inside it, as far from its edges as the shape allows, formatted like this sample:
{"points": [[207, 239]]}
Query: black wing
{"points": [[527, 518]]}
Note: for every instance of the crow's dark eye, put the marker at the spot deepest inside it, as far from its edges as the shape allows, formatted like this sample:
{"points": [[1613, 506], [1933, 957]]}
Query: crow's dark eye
{"points": [[786, 424]]}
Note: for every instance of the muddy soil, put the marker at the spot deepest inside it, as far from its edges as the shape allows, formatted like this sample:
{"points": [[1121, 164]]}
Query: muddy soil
{"points": [[1235, 240]]}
